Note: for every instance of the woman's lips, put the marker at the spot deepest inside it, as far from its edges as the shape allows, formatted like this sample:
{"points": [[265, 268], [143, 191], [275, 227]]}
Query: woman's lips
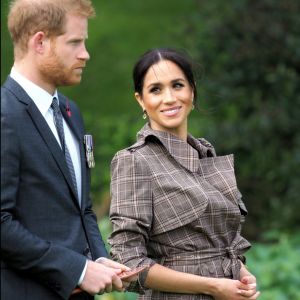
{"points": [[170, 112]]}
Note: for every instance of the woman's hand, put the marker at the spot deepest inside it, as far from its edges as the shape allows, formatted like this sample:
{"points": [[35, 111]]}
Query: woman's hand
{"points": [[244, 272], [250, 280], [228, 289]]}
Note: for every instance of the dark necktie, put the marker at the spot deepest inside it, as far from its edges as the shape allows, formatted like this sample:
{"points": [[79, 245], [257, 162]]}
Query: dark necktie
{"points": [[58, 121]]}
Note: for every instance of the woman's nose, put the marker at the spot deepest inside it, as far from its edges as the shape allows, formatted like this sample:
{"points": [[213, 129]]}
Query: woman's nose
{"points": [[168, 96]]}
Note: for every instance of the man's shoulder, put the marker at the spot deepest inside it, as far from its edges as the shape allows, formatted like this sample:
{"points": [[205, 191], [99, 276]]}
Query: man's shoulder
{"points": [[9, 101], [12, 94], [5, 90]]}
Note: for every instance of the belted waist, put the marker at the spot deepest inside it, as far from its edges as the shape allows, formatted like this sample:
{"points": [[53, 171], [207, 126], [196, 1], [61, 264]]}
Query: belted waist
{"points": [[203, 255], [228, 259]]}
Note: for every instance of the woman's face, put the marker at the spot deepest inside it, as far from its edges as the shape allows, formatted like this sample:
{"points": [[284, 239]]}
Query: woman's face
{"points": [[167, 98]]}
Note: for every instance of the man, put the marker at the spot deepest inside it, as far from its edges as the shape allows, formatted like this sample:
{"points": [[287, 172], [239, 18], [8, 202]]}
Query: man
{"points": [[49, 234]]}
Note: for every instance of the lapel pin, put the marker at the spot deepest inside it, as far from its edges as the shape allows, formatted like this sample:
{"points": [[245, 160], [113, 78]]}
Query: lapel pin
{"points": [[68, 110]]}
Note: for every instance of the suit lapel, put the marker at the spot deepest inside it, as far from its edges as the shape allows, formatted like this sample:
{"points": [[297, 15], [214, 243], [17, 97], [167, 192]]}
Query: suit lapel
{"points": [[70, 119], [51, 142], [43, 128]]}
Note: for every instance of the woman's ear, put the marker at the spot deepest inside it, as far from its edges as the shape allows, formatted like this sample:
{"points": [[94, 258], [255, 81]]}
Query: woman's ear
{"points": [[139, 100]]}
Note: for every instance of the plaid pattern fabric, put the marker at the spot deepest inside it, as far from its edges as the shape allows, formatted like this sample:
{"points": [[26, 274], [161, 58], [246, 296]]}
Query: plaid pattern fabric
{"points": [[177, 204]]}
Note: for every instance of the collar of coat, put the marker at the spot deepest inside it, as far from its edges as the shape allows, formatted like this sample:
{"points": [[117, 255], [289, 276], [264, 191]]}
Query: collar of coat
{"points": [[186, 153]]}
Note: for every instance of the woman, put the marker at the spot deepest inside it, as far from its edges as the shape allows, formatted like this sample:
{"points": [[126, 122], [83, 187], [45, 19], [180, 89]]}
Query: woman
{"points": [[175, 206]]}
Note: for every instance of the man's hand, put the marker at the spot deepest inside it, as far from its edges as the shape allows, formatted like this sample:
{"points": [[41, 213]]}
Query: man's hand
{"points": [[111, 264], [100, 278]]}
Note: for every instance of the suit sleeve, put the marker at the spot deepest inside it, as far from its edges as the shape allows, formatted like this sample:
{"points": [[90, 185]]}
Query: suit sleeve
{"points": [[96, 242], [55, 266], [131, 213]]}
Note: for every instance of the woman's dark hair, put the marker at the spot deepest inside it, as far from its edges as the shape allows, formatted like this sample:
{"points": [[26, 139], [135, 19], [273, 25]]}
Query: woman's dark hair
{"points": [[154, 56]]}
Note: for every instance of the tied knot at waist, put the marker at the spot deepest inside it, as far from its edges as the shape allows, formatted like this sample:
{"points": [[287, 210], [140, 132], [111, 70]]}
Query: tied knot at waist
{"points": [[231, 252], [231, 266]]}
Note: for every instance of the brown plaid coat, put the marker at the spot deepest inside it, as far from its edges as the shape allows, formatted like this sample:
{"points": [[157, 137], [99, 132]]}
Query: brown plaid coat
{"points": [[177, 204]]}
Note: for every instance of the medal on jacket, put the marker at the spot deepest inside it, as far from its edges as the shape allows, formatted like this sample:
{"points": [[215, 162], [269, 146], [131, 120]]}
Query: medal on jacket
{"points": [[88, 142]]}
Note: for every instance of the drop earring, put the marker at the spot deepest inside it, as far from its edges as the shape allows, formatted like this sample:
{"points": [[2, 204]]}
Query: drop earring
{"points": [[144, 114]]}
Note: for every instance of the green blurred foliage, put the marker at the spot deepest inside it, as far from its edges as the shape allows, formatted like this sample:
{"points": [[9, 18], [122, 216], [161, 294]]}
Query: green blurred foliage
{"points": [[276, 266], [6, 45], [251, 86]]}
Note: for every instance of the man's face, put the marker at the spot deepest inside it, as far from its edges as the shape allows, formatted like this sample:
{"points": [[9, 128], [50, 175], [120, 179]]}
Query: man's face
{"points": [[67, 55]]}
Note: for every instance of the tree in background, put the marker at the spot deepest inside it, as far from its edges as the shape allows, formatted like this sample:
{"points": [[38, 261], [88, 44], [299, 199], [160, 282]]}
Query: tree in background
{"points": [[250, 52]]}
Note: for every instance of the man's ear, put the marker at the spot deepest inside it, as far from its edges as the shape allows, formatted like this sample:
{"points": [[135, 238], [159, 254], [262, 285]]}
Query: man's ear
{"points": [[38, 42], [139, 100]]}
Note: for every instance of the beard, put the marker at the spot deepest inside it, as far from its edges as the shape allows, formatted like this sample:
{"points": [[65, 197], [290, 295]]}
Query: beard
{"points": [[55, 72]]}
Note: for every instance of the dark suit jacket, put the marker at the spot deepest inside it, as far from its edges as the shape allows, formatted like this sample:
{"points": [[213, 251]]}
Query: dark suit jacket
{"points": [[45, 234]]}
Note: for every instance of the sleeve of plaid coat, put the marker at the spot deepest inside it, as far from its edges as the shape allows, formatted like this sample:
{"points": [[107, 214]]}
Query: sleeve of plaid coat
{"points": [[130, 213]]}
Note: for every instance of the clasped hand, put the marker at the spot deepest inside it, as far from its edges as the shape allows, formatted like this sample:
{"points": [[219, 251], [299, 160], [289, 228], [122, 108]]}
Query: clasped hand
{"points": [[103, 276], [242, 289]]}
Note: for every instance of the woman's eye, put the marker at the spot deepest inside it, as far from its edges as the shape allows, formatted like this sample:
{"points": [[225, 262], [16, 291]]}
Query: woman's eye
{"points": [[155, 90], [178, 85]]}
